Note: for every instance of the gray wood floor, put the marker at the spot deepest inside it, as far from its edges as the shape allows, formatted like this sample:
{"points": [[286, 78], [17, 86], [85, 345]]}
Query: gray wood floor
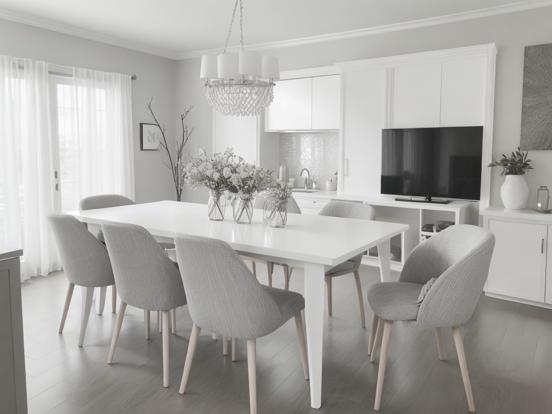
{"points": [[509, 351]]}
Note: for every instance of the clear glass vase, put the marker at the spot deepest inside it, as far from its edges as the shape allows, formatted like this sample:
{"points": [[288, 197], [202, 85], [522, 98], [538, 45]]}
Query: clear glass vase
{"points": [[275, 213], [216, 206], [243, 210]]}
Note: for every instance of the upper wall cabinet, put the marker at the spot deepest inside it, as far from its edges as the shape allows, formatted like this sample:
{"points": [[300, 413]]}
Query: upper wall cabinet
{"points": [[304, 104], [462, 100], [416, 96], [325, 102]]}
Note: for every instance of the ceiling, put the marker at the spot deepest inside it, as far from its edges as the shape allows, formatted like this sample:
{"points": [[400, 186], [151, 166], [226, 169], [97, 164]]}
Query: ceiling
{"points": [[183, 28]]}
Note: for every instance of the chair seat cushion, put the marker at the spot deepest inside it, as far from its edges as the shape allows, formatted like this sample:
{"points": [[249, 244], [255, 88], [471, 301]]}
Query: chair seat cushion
{"points": [[289, 303], [395, 301]]}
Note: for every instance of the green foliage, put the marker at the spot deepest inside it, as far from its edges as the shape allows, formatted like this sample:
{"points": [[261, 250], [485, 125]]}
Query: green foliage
{"points": [[514, 164]]}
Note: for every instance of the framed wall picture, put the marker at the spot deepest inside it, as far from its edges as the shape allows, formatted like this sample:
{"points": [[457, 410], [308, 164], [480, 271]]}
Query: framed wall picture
{"points": [[150, 137]]}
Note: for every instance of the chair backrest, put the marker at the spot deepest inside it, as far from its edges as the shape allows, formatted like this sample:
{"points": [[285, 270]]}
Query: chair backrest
{"points": [[146, 278], [103, 201], [223, 295], [292, 206], [348, 209], [85, 260], [459, 257]]}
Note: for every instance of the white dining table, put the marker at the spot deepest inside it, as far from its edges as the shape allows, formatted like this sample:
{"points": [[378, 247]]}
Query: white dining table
{"points": [[314, 243]]}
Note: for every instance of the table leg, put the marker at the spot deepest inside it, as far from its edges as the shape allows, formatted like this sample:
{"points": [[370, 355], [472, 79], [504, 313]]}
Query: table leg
{"points": [[384, 256], [314, 317]]}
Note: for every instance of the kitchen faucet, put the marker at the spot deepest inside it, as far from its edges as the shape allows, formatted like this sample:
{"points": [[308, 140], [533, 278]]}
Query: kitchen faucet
{"points": [[307, 178]]}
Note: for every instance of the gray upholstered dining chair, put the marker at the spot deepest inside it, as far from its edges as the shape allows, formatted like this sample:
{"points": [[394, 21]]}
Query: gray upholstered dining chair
{"points": [[439, 287], [353, 210], [104, 201], [85, 263], [292, 207], [224, 297], [146, 279]]}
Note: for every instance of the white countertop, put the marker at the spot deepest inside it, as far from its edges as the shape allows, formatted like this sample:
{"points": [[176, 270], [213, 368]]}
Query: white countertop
{"points": [[306, 238], [525, 214]]}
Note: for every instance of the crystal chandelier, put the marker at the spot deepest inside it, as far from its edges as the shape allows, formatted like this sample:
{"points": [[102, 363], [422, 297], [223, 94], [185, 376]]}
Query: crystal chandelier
{"points": [[239, 84]]}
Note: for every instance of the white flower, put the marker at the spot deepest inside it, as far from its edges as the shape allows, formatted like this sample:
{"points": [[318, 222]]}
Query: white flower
{"points": [[216, 176], [227, 172]]}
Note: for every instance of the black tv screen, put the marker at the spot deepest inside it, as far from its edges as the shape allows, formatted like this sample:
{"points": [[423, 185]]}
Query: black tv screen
{"points": [[432, 162]]}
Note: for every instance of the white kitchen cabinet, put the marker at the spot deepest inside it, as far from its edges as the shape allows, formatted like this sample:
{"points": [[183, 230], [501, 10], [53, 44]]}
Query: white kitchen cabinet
{"points": [[463, 80], [310, 103], [416, 97], [363, 118], [325, 102], [292, 106], [518, 266], [309, 203]]}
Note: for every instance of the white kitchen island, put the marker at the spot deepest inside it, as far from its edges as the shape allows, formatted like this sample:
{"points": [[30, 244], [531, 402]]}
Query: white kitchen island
{"points": [[314, 243]]}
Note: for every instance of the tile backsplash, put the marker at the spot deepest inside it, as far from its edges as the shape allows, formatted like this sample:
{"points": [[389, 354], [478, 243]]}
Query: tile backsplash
{"points": [[318, 152]]}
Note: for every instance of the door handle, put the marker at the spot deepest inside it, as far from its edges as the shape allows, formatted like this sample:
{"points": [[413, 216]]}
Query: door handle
{"points": [[542, 246]]}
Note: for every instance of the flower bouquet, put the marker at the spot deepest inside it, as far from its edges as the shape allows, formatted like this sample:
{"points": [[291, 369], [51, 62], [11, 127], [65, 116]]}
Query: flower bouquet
{"points": [[213, 172], [247, 180], [275, 208]]}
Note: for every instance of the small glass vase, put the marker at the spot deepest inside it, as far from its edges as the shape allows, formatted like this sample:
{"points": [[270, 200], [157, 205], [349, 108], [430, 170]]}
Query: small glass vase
{"points": [[216, 206], [243, 210], [275, 213]]}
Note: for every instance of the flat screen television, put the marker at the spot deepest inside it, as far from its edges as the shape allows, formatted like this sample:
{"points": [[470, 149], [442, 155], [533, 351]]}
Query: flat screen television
{"points": [[432, 162]]}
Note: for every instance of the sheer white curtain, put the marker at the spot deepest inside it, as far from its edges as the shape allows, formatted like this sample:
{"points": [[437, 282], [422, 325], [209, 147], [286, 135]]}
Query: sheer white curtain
{"points": [[80, 127], [102, 133], [26, 164]]}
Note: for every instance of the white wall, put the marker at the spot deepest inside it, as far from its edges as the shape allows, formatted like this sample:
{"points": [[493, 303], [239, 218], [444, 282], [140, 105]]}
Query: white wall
{"points": [[155, 78], [510, 32]]}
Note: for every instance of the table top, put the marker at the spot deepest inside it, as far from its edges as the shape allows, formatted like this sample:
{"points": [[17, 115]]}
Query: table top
{"points": [[306, 238], [9, 252]]}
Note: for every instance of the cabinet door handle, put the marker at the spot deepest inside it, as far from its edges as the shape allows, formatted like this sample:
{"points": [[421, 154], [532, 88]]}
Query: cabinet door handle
{"points": [[542, 246]]}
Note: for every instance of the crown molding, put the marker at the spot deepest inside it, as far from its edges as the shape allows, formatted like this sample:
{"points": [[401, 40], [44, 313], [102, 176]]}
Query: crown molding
{"points": [[52, 25], [387, 28]]}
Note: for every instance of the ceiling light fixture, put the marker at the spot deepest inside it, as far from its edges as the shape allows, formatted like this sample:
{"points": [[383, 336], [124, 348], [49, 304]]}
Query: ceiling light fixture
{"points": [[239, 84]]}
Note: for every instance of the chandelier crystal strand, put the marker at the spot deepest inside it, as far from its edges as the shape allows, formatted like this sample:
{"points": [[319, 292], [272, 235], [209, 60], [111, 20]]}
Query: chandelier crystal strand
{"points": [[240, 85]]}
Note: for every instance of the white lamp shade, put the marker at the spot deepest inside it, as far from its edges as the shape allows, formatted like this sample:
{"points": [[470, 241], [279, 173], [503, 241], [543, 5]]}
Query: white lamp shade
{"points": [[227, 66], [249, 63], [208, 67], [270, 68]]}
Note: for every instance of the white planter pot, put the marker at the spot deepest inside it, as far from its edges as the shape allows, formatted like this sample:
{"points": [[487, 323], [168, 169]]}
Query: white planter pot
{"points": [[514, 192]]}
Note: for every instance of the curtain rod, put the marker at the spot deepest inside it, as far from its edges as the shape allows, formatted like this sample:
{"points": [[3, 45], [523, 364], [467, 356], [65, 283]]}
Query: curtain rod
{"points": [[69, 75]]}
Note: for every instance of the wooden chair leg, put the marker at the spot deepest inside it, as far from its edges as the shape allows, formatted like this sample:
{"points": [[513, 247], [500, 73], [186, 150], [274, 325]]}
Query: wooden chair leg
{"points": [[459, 343], [287, 276], [372, 334], [439, 343], [302, 344], [116, 332], [159, 322], [329, 293], [252, 374], [225, 341], [147, 323], [113, 299], [101, 304], [173, 321], [192, 344], [68, 297], [377, 338], [270, 271], [166, 340], [254, 268], [360, 299], [387, 325], [234, 350], [88, 295]]}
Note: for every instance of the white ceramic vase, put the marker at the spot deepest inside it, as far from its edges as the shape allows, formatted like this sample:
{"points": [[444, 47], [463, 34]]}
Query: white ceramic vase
{"points": [[514, 192]]}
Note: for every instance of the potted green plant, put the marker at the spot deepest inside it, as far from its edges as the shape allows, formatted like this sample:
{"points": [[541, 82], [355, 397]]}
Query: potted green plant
{"points": [[514, 192]]}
